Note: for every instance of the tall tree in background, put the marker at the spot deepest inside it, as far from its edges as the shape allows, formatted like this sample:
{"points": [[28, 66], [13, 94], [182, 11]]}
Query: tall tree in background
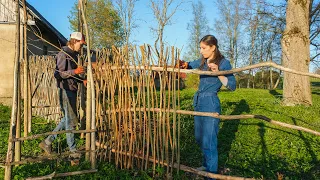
{"points": [[269, 37], [315, 31], [163, 16], [105, 27], [228, 27], [296, 53], [264, 26], [198, 27], [253, 22], [126, 13]]}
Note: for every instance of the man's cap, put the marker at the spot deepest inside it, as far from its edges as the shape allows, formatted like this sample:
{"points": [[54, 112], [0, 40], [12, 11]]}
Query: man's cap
{"points": [[78, 36]]}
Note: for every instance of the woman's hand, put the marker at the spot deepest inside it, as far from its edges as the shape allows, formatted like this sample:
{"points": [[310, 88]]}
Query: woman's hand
{"points": [[213, 67], [182, 64]]}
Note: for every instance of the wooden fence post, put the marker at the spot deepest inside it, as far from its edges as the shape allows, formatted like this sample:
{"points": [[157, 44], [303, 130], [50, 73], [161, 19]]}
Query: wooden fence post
{"points": [[25, 72], [90, 98], [12, 134]]}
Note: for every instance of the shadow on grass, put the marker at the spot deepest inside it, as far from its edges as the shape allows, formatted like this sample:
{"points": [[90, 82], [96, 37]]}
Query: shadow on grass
{"points": [[265, 154], [227, 133], [276, 166], [315, 87], [297, 119], [275, 94], [316, 93], [309, 149], [270, 163], [315, 84]]}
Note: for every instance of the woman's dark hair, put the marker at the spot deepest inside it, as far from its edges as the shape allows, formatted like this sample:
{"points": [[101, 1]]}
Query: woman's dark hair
{"points": [[210, 40]]}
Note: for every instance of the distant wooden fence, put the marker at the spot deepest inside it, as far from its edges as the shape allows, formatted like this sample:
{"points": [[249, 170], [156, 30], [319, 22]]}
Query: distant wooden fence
{"points": [[44, 91]]}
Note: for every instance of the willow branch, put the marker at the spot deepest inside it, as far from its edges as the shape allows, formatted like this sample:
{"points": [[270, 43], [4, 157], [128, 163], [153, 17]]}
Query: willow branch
{"points": [[175, 165], [189, 71], [52, 156], [228, 117], [51, 133], [54, 174]]}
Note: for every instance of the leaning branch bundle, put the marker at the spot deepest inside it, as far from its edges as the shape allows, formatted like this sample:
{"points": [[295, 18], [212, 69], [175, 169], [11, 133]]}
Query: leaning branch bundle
{"points": [[54, 174]]}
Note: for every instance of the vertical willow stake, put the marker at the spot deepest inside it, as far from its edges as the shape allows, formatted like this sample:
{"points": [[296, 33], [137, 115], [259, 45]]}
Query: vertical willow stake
{"points": [[17, 144], [179, 124], [88, 110], [174, 101], [10, 153], [29, 99], [82, 88], [90, 96], [25, 72]]}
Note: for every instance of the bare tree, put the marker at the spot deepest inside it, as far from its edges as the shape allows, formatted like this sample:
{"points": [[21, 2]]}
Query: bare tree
{"points": [[126, 12], [264, 29], [253, 23], [229, 26], [198, 27], [163, 16], [296, 52], [314, 22]]}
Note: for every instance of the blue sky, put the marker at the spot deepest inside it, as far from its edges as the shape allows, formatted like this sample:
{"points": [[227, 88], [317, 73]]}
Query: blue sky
{"points": [[176, 34], [57, 12]]}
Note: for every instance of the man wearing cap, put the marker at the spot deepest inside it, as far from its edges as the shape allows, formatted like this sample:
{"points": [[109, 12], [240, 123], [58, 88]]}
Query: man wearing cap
{"points": [[67, 75]]}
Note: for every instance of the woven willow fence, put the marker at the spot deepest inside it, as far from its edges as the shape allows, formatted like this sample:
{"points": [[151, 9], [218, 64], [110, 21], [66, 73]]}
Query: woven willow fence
{"points": [[132, 134], [129, 134], [44, 91]]}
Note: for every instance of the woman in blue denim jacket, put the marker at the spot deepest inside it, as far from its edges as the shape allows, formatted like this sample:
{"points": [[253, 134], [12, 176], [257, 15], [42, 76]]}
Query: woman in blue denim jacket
{"points": [[206, 99]]}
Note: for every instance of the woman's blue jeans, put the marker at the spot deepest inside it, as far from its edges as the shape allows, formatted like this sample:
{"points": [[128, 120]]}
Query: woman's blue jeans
{"points": [[68, 104], [207, 128], [206, 134]]}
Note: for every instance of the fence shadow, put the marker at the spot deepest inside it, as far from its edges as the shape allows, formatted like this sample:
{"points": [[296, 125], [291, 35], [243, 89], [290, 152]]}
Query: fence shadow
{"points": [[227, 132]]}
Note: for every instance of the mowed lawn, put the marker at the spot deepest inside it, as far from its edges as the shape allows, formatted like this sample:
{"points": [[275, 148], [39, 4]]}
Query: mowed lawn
{"points": [[247, 147]]}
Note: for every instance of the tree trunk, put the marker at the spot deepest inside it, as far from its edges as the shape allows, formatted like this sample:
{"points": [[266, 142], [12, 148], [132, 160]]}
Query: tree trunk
{"points": [[277, 82], [296, 53], [271, 72]]}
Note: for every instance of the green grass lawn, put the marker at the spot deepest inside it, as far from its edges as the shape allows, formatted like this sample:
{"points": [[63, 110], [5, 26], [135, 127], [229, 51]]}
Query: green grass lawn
{"points": [[248, 148], [253, 148]]}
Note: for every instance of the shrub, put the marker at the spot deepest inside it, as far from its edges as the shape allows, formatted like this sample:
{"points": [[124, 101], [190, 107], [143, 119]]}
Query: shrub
{"points": [[192, 81]]}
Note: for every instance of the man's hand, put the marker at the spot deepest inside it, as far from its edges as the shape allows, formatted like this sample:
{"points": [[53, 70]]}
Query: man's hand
{"points": [[85, 83], [79, 70]]}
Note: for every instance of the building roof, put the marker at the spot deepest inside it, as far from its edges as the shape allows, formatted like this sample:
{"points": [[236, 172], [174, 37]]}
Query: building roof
{"points": [[43, 20]]}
